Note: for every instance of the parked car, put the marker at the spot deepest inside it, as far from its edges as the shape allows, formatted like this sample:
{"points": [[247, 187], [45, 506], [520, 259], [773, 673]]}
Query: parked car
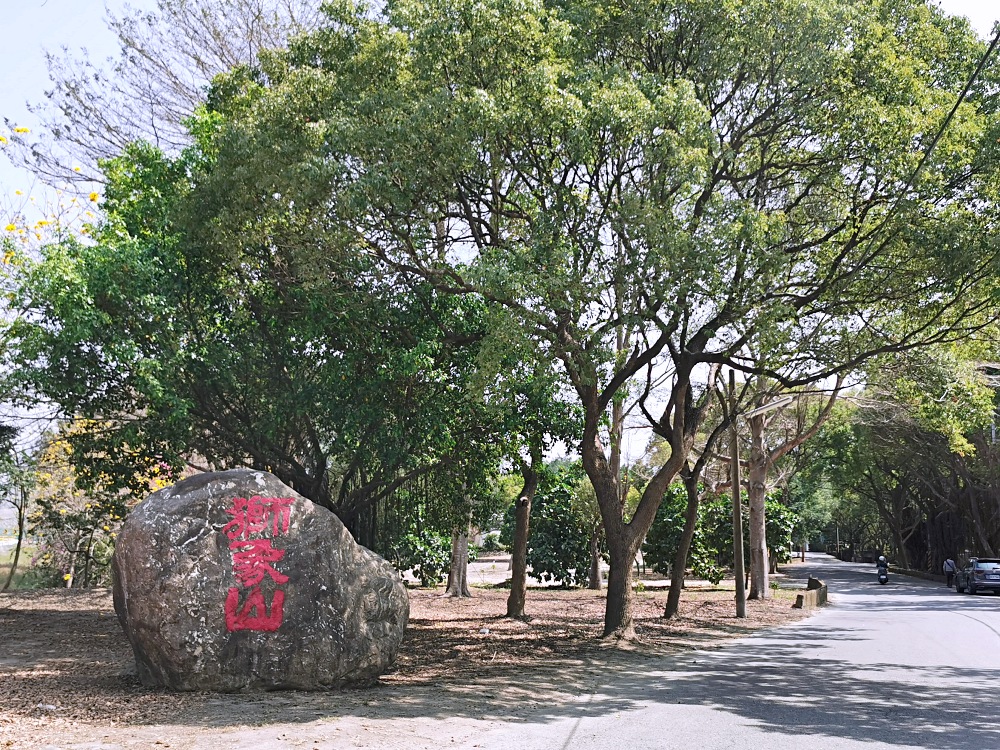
{"points": [[980, 574]]}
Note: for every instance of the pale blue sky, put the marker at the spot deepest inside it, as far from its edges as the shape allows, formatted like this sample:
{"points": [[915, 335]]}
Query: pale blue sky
{"points": [[28, 26]]}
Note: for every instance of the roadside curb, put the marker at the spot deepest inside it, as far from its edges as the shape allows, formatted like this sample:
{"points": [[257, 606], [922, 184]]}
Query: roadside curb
{"points": [[815, 595]]}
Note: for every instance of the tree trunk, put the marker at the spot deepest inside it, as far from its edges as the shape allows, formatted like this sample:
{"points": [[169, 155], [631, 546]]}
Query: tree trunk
{"points": [[977, 524], [903, 558], [618, 620], [594, 582], [88, 560], [757, 492], [21, 518], [72, 565], [458, 573], [519, 546], [683, 547], [623, 539]]}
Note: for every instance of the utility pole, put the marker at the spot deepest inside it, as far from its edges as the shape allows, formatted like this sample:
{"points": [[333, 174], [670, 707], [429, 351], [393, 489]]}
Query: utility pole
{"points": [[734, 443]]}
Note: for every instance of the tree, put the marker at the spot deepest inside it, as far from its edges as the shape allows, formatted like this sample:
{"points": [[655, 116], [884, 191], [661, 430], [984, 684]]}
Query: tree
{"points": [[77, 516], [559, 544], [522, 390], [711, 546], [16, 482], [764, 454], [588, 511], [167, 58], [519, 538], [345, 384], [913, 458], [648, 192], [675, 532], [666, 537], [426, 553], [781, 524], [477, 476]]}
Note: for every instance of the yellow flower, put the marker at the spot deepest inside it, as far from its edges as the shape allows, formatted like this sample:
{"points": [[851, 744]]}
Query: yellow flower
{"points": [[18, 192], [94, 197], [107, 528], [21, 130], [2, 139], [42, 223], [10, 228], [76, 169], [67, 577]]}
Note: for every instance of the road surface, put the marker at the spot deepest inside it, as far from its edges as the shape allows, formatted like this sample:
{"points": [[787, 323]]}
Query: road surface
{"points": [[910, 664]]}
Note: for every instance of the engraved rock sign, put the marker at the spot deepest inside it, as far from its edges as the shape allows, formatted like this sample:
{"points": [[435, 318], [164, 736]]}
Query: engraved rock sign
{"points": [[232, 581]]}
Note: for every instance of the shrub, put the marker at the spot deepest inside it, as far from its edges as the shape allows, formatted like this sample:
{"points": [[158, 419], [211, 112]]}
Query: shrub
{"points": [[559, 541], [491, 543], [711, 551], [427, 554]]}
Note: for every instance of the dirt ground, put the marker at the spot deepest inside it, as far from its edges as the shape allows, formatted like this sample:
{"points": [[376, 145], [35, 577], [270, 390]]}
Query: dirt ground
{"points": [[67, 681]]}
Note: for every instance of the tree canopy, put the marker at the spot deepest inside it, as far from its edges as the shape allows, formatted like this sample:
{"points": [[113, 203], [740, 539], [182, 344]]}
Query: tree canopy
{"points": [[344, 382], [644, 193]]}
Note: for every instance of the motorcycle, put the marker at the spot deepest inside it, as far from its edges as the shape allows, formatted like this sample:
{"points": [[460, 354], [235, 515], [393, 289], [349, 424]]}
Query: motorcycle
{"points": [[883, 575]]}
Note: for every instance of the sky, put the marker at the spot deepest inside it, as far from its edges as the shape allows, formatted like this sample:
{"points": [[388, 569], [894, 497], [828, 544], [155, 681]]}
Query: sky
{"points": [[28, 27]]}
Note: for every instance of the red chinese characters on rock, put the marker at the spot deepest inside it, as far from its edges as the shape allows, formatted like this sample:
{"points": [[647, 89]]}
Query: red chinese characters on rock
{"points": [[254, 557]]}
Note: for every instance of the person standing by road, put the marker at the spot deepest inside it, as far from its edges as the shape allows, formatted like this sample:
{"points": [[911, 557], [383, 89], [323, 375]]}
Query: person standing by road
{"points": [[949, 571]]}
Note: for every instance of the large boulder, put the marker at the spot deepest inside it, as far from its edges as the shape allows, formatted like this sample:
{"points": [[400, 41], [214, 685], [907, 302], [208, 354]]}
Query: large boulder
{"points": [[232, 581]]}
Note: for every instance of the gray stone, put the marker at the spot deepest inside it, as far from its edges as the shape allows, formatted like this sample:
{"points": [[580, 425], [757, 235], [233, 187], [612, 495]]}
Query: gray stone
{"points": [[232, 581]]}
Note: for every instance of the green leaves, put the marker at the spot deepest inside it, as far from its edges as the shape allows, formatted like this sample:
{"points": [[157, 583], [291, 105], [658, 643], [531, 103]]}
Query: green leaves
{"points": [[215, 317], [711, 552], [559, 545], [942, 391]]}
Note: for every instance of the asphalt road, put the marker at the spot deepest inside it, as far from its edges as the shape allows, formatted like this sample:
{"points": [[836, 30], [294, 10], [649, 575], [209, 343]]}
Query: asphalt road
{"points": [[909, 664]]}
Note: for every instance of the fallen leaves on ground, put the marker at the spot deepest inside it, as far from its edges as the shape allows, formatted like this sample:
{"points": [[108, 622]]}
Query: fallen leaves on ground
{"points": [[65, 664]]}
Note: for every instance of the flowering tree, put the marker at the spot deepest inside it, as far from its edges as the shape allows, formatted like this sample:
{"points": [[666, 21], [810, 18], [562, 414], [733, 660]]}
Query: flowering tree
{"points": [[77, 517]]}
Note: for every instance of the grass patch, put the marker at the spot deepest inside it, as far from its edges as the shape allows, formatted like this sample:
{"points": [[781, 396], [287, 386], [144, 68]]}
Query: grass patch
{"points": [[25, 577]]}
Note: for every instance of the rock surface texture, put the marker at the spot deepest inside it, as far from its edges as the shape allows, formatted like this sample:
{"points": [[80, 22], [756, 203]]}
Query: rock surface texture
{"points": [[232, 581]]}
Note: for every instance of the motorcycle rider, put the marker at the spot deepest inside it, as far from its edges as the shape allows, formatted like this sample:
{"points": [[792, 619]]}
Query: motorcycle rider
{"points": [[882, 569]]}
